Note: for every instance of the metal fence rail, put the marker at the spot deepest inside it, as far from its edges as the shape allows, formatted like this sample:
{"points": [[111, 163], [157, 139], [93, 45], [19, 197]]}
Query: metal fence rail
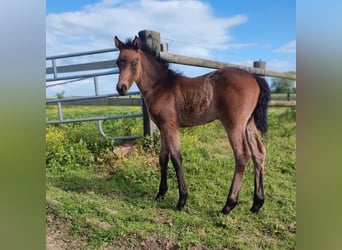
{"points": [[95, 118], [74, 71], [79, 67], [82, 76], [76, 100]]}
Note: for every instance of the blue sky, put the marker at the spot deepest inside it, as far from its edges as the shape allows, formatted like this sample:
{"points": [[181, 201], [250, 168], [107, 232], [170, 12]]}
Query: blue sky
{"points": [[237, 32]]}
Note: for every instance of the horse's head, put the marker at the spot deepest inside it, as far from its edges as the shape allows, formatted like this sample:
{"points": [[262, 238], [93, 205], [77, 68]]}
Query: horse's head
{"points": [[128, 63]]}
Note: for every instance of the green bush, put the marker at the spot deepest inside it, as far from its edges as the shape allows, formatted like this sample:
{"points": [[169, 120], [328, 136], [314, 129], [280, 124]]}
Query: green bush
{"points": [[89, 134], [62, 153], [126, 127]]}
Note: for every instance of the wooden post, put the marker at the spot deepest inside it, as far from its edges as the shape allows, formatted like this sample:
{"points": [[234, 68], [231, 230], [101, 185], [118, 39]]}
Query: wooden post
{"points": [[149, 126], [150, 39], [259, 64]]}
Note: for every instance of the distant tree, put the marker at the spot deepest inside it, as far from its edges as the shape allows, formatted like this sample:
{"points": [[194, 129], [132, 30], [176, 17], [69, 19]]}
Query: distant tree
{"points": [[60, 95], [280, 85]]}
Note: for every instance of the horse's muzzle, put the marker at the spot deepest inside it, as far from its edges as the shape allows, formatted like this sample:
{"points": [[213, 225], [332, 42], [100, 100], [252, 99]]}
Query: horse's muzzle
{"points": [[122, 89]]}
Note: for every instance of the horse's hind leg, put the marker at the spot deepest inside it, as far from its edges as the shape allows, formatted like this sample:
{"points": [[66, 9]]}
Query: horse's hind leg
{"points": [[258, 152], [238, 141]]}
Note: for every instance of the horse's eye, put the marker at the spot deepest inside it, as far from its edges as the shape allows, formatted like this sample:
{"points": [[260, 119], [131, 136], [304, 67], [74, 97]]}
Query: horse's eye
{"points": [[120, 62], [134, 63]]}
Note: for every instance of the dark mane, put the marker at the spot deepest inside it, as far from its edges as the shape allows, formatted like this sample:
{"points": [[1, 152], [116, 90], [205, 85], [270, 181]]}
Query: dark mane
{"points": [[149, 51]]}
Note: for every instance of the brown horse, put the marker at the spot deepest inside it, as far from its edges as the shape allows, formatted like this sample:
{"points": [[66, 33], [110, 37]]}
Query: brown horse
{"points": [[236, 97]]}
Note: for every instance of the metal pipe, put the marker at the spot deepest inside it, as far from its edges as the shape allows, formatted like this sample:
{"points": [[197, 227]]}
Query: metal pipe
{"points": [[66, 82], [95, 118], [87, 98], [125, 137], [111, 72], [96, 86], [54, 68], [60, 112], [82, 53]]}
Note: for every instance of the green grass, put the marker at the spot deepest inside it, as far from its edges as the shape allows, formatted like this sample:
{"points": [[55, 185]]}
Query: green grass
{"points": [[79, 111], [110, 201]]}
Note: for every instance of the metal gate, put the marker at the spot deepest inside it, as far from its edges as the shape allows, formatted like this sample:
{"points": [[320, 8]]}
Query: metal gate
{"points": [[58, 73]]}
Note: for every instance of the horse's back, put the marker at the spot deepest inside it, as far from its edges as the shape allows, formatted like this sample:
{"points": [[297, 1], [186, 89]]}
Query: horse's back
{"points": [[235, 78]]}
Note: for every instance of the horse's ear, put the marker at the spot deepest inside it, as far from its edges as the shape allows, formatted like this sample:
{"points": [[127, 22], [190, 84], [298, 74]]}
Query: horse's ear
{"points": [[137, 42], [118, 43]]}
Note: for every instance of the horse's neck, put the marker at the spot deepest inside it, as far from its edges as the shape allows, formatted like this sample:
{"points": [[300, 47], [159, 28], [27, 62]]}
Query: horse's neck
{"points": [[152, 73]]}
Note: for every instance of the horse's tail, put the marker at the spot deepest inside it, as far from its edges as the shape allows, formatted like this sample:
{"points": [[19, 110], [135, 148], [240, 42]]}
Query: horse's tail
{"points": [[260, 112]]}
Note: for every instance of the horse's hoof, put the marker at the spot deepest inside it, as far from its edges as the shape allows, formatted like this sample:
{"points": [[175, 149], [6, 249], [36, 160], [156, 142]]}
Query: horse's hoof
{"points": [[181, 202], [257, 204], [254, 209], [180, 206], [161, 194], [160, 197], [227, 208]]}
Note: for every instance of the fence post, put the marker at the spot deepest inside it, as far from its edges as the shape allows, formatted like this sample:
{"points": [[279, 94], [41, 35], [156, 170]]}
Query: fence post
{"points": [[288, 96], [150, 39], [149, 126], [259, 64]]}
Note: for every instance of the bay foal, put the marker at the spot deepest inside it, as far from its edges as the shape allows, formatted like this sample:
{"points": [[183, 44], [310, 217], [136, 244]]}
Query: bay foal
{"points": [[236, 97]]}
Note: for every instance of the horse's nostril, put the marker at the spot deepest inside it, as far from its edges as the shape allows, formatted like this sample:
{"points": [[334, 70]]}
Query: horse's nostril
{"points": [[122, 89]]}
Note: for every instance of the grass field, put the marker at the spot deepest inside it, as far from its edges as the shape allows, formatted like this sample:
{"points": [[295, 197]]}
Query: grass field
{"points": [[283, 96], [100, 194]]}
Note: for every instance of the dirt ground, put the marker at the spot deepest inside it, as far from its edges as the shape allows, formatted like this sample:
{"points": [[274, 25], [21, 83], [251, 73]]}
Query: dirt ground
{"points": [[58, 237]]}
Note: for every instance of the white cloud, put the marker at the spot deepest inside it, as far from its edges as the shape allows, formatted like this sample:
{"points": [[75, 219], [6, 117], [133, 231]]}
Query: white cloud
{"points": [[289, 47], [190, 23]]}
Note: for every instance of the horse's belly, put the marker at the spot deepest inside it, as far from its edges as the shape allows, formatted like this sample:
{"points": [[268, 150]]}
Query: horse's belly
{"points": [[196, 116]]}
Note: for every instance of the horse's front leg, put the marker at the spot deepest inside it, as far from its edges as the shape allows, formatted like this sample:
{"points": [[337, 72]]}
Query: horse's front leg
{"points": [[172, 143], [163, 161]]}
